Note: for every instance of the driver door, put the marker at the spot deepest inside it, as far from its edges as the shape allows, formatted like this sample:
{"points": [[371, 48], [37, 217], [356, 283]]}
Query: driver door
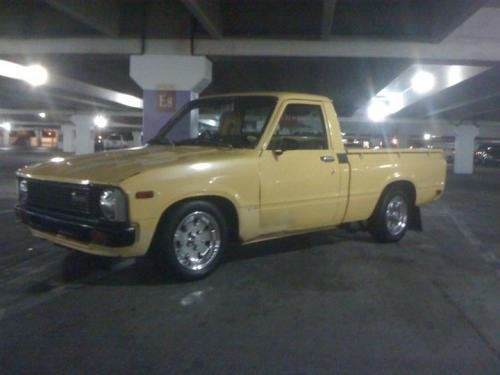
{"points": [[299, 173]]}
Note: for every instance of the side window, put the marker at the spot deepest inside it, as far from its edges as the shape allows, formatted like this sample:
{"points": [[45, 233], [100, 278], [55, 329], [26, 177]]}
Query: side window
{"points": [[301, 127]]}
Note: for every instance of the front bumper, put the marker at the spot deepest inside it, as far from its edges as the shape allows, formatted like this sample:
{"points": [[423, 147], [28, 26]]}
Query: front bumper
{"points": [[119, 235]]}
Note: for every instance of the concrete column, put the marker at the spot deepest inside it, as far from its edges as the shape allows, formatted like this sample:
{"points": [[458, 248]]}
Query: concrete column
{"points": [[38, 135], [169, 82], [374, 141], [464, 148], [85, 134], [137, 138], [403, 140], [68, 138], [5, 138]]}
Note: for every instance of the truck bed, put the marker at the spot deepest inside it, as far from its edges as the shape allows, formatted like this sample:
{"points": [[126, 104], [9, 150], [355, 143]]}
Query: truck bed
{"points": [[371, 170]]}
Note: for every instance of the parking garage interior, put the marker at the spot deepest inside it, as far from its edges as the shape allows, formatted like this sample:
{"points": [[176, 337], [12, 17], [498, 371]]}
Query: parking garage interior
{"points": [[79, 78]]}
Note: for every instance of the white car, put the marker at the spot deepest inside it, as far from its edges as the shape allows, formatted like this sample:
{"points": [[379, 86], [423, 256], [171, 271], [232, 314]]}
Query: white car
{"points": [[115, 141]]}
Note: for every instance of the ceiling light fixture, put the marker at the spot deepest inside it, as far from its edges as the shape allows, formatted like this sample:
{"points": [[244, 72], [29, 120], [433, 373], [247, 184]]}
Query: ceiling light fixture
{"points": [[7, 126], [378, 110], [100, 121], [423, 82], [129, 100], [42, 115], [35, 75], [427, 136], [395, 101], [454, 75]]}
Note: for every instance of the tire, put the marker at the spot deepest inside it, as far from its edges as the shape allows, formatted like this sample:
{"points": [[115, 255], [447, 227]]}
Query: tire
{"points": [[190, 240], [390, 219]]}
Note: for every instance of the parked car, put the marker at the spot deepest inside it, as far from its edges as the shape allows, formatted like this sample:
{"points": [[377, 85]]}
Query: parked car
{"points": [[116, 141], [487, 154], [272, 165]]}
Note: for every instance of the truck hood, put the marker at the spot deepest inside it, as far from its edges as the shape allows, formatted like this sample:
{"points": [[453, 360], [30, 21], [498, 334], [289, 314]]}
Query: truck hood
{"points": [[115, 166]]}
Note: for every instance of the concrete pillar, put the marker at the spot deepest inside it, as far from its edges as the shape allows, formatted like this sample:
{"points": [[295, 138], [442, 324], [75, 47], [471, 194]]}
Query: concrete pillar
{"points": [[374, 141], [464, 148], [137, 136], [68, 138], [85, 134], [169, 82], [38, 136], [403, 140], [5, 138]]}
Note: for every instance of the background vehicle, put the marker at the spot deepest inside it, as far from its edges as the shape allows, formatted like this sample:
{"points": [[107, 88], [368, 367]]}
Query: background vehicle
{"points": [[241, 168], [487, 154], [116, 141]]}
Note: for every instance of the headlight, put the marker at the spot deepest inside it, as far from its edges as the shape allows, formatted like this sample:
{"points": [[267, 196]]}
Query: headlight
{"points": [[23, 191], [113, 205]]}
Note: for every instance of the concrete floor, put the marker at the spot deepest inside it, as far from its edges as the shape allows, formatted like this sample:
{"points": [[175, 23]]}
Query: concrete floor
{"points": [[324, 303]]}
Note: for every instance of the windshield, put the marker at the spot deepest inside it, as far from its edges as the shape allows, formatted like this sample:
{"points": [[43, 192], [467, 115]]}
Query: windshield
{"points": [[225, 121], [494, 151]]}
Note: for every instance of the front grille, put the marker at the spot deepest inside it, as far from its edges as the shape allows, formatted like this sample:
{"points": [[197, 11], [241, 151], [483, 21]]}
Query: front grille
{"points": [[62, 197]]}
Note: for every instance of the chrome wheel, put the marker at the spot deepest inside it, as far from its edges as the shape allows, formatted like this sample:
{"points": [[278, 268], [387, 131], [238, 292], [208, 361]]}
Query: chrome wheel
{"points": [[197, 240], [396, 215]]}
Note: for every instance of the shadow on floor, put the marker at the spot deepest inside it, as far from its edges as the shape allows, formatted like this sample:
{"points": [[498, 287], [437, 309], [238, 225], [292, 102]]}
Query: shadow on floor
{"points": [[86, 269]]}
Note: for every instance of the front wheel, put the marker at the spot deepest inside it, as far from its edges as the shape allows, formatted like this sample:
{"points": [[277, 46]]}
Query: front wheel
{"points": [[191, 240], [389, 222]]}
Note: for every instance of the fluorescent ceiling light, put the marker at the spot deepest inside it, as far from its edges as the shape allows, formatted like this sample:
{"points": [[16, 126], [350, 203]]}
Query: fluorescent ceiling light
{"points": [[423, 82], [42, 115], [395, 101], [378, 110], [209, 122], [11, 70], [100, 121], [454, 75], [129, 100], [385, 104], [35, 75], [7, 126]]}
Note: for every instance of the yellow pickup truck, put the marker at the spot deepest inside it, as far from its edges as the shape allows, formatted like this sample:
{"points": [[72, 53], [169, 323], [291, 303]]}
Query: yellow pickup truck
{"points": [[226, 169]]}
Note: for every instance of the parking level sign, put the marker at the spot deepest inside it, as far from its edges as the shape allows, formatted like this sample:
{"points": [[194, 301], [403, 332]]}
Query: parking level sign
{"points": [[165, 101]]}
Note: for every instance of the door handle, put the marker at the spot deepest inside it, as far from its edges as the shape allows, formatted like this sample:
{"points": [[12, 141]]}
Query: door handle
{"points": [[327, 158]]}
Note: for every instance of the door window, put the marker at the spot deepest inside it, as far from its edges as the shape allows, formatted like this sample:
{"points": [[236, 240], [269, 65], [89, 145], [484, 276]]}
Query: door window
{"points": [[301, 127]]}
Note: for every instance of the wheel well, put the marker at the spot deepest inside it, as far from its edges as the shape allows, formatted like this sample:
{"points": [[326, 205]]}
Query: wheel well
{"points": [[225, 205], [406, 186]]}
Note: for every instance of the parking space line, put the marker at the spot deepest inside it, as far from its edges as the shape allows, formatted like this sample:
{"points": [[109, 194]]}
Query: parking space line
{"points": [[487, 255]]}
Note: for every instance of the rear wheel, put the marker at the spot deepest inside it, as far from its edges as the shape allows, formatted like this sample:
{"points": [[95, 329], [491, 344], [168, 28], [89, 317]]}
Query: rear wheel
{"points": [[191, 240], [389, 222]]}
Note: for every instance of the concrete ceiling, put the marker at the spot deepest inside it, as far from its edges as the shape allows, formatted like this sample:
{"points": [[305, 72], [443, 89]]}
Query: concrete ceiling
{"points": [[411, 25]]}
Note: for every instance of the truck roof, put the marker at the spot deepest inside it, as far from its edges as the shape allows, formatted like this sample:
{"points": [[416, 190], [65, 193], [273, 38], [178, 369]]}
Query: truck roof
{"points": [[278, 94]]}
